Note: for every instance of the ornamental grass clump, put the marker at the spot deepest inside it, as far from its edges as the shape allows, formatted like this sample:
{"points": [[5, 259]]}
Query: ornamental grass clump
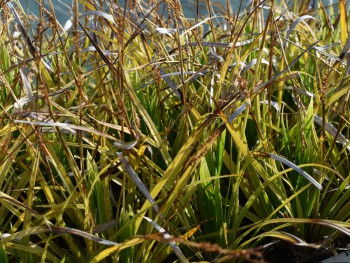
{"points": [[134, 133]]}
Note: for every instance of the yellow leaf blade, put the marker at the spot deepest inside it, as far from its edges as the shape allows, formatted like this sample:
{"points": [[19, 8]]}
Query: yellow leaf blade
{"points": [[343, 24]]}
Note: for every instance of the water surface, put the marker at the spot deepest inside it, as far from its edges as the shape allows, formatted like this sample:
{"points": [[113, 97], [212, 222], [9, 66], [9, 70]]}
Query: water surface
{"points": [[63, 8]]}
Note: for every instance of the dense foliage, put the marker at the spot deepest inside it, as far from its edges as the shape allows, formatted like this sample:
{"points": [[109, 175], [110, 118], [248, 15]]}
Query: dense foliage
{"points": [[136, 134]]}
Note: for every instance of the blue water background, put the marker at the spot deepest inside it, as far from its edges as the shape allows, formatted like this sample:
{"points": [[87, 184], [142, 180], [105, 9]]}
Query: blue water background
{"points": [[63, 8]]}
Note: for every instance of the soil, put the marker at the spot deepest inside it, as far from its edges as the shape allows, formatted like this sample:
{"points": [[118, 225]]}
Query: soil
{"points": [[288, 253]]}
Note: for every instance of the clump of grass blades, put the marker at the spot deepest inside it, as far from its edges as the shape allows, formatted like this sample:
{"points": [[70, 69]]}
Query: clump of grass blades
{"points": [[138, 134]]}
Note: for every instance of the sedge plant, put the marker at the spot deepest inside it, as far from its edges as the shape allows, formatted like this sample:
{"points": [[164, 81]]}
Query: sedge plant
{"points": [[137, 134]]}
